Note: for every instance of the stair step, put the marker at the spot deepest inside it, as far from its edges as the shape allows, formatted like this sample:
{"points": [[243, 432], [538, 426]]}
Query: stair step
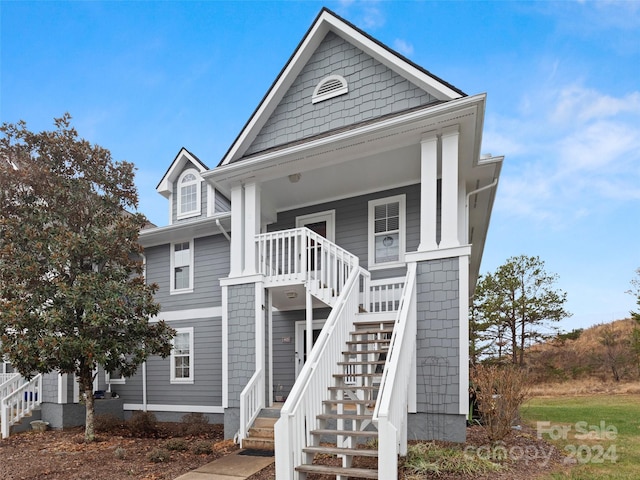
{"points": [[264, 444], [343, 416], [366, 352], [364, 362], [348, 401], [371, 331], [358, 375], [331, 470], [356, 452], [338, 388], [346, 433], [374, 323], [265, 422], [368, 341], [261, 432]]}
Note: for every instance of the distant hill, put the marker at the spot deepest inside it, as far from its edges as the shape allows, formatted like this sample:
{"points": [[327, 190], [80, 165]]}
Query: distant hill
{"points": [[604, 351]]}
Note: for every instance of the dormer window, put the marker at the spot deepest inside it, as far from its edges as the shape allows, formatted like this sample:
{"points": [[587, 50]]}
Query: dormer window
{"points": [[329, 87], [189, 194]]}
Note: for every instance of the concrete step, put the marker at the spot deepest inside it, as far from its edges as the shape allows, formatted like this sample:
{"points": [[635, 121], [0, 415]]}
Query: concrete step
{"points": [[334, 470], [266, 444], [344, 416]]}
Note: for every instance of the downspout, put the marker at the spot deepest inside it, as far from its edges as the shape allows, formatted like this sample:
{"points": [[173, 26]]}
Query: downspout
{"points": [[222, 230], [144, 386], [473, 192]]}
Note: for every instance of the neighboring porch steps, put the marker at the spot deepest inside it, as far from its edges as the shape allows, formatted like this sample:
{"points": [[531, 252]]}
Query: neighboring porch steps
{"points": [[349, 409]]}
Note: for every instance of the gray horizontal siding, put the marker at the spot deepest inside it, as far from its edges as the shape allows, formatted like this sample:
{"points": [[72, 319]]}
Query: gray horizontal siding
{"points": [[284, 357], [211, 258], [222, 203], [374, 90], [207, 386], [352, 223]]}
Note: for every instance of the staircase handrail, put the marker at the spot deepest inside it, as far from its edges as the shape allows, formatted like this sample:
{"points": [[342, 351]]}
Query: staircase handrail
{"points": [[20, 403], [390, 413], [9, 382], [252, 400], [292, 255], [298, 414]]}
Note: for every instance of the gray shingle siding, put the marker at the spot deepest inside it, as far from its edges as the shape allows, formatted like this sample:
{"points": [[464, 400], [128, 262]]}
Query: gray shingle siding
{"points": [[241, 339], [222, 203], [211, 262], [374, 90], [438, 336]]}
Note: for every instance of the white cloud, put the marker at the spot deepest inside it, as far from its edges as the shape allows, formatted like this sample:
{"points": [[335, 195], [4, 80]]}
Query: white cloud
{"points": [[571, 151], [402, 46], [369, 16]]}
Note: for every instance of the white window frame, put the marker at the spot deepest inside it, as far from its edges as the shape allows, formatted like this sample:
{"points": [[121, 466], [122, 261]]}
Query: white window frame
{"points": [[172, 266], [114, 381], [402, 231], [190, 379], [340, 87], [198, 183]]}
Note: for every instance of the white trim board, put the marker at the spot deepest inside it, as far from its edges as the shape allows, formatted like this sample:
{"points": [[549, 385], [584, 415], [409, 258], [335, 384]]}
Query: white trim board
{"points": [[157, 407], [190, 314]]}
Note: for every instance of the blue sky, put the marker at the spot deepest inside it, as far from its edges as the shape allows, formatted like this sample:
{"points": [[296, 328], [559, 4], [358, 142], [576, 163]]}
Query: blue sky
{"points": [[146, 78]]}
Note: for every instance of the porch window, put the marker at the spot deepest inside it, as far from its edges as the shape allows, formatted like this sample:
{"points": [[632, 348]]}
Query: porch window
{"points": [[387, 231], [182, 267], [182, 356], [188, 194], [114, 378]]}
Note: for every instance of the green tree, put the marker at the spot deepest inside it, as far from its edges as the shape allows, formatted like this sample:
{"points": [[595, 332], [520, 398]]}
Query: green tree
{"points": [[72, 293], [635, 336], [520, 298]]}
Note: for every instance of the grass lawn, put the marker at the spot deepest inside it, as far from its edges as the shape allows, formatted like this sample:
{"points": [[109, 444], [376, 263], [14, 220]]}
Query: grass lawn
{"points": [[601, 432]]}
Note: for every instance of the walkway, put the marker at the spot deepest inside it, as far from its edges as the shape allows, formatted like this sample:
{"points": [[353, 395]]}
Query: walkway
{"points": [[229, 467]]}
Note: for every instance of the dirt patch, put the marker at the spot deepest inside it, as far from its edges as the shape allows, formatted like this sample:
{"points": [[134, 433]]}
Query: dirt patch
{"points": [[63, 454]]}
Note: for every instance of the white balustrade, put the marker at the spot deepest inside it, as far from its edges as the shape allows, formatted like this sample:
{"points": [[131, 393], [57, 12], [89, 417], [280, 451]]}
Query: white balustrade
{"points": [[385, 295], [298, 415], [20, 401], [390, 413], [252, 400]]}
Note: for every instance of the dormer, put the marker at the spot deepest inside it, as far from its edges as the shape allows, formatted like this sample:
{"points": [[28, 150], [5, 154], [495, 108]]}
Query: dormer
{"points": [[189, 196]]}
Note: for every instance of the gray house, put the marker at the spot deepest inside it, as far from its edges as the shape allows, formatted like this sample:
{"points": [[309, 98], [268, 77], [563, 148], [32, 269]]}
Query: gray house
{"points": [[321, 273]]}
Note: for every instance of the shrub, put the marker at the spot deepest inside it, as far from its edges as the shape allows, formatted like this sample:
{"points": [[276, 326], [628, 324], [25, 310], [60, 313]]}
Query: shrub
{"points": [[194, 424], [500, 391], [429, 459], [176, 444], [143, 424], [159, 455], [107, 423], [202, 448]]}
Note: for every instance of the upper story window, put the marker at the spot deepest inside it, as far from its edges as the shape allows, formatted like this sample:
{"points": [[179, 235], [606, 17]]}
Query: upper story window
{"points": [[189, 194], [329, 87], [387, 233], [182, 267], [182, 356]]}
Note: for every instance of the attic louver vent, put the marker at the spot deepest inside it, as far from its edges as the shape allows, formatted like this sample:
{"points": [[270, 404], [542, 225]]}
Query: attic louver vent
{"points": [[329, 87]]}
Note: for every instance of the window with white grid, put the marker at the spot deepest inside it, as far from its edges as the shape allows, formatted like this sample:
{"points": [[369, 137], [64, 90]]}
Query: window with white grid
{"points": [[182, 356], [387, 231], [188, 194]]}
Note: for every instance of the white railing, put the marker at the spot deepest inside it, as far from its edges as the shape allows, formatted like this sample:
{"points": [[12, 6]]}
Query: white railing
{"points": [[301, 255], [390, 413], [4, 378], [19, 402], [298, 415], [252, 399], [385, 295]]}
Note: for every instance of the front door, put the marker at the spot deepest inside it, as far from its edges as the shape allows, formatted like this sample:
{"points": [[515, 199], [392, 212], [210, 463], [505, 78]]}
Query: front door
{"points": [[301, 341]]}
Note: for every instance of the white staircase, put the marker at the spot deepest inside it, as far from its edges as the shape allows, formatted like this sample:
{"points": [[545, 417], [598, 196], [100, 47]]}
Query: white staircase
{"points": [[345, 427], [18, 398]]}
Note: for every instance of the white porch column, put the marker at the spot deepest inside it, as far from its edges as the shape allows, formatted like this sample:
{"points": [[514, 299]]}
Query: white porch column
{"points": [[251, 226], [450, 210], [429, 191], [237, 231], [309, 315]]}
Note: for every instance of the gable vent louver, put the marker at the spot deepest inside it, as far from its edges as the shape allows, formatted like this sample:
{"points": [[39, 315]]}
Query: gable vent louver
{"points": [[329, 87]]}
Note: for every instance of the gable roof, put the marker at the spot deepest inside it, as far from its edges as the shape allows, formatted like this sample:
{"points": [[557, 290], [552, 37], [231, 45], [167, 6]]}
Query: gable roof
{"points": [[326, 22], [184, 156]]}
